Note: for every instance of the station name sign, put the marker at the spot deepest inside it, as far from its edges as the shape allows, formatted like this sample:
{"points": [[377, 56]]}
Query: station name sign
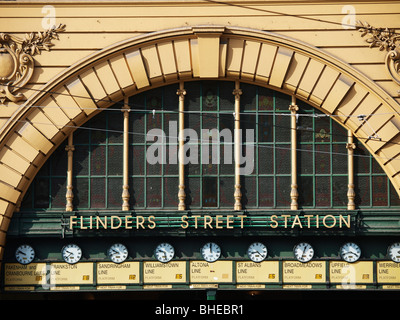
{"points": [[229, 221]]}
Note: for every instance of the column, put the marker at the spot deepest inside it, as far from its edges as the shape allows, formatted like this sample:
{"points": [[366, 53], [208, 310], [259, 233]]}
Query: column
{"points": [[294, 194], [69, 195], [125, 186], [237, 194], [350, 167], [181, 194]]}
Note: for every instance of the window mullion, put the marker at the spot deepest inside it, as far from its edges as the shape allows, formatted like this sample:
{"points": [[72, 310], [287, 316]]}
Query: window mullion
{"points": [[69, 194], [181, 194], [294, 194], [350, 160], [238, 194], [125, 186]]}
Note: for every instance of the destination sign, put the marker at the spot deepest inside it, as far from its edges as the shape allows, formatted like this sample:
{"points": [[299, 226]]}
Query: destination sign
{"points": [[299, 272], [64, 273], [351, 273], [257, 272], [159, 272], [388, 272], [31, 274], [215, 272], [123, 273]]}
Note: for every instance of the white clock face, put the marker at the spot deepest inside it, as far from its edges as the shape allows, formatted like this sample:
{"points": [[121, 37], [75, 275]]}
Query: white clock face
{"points": [[350, 252], [118, 253], [303, 252], [211, 252], [71, 253], [394, 252], [25, 254], [257, 252], [164, 252]]}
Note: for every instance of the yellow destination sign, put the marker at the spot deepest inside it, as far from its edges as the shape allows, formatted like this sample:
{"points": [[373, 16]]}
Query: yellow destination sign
{"points": [[215, 272], [31, 274], [298, 272], [351, 273], [388, 272], [123, 273], [64, 273], [256, 272], [159, 272]]}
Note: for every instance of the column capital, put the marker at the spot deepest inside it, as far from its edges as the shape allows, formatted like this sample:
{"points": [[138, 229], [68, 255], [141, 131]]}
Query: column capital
{"points": [[69, 148], [237, 93], [294, 107], [181, 93], [351, 146]]}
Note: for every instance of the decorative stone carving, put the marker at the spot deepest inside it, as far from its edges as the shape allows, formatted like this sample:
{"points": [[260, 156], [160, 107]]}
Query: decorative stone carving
{"points": [[16, 62], [387, 40]]}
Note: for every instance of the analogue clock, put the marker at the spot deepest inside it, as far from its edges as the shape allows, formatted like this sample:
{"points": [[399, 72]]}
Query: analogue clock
{"points": [[211, 252], [25, 254], [303, 252], [71, 253], [257, 251], [118, 253], [394, 252], [164, 252], [350, 252]]}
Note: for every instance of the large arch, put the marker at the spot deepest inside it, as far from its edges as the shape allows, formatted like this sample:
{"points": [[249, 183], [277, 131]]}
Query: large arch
{"points": [[190, 53]]}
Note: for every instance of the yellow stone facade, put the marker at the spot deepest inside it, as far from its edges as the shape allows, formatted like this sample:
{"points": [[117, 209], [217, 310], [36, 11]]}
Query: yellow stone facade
{"points": [[110, 50]]}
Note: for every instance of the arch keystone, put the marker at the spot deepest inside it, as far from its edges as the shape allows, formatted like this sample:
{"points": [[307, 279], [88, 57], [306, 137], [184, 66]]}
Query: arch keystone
{"points": [[208, 50]]}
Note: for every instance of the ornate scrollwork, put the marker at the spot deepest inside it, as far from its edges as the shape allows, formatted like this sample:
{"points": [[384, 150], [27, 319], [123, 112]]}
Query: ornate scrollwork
{"points": [[388, 40], [16, 62]]}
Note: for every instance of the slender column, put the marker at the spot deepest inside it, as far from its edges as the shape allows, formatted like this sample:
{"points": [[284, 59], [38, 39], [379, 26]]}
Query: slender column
{"points": [[181, 194], [238, 194], [125, 186], [69, 195], [350, 167], [294, 194]]}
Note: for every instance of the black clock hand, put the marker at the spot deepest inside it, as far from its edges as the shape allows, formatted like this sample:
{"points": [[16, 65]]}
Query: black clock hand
{"points": [[70, 253]]}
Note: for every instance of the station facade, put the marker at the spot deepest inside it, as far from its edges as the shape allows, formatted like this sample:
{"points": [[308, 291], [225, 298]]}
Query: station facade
{"points": [[199, 147]]}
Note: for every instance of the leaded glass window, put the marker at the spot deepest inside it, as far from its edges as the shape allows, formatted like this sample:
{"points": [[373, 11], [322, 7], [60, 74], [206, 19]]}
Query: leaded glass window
{"points": [[210, 106], [154, 182], [322, 160]]}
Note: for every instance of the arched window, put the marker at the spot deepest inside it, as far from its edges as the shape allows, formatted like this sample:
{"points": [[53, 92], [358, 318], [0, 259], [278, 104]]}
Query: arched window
{"points": [[209, 161]]}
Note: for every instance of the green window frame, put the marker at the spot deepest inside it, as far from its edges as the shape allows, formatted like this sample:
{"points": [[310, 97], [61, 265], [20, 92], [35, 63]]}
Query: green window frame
{"points": [[97, 165], [372, 186], [267, 113], [322, 160], [47, 190], [156, 185], [209, 105]]}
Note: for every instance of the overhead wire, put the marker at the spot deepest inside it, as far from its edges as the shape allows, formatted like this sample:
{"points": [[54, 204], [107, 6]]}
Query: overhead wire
{"points": [[202, 113], [275, 145], [133, 108], [342, 24]]}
